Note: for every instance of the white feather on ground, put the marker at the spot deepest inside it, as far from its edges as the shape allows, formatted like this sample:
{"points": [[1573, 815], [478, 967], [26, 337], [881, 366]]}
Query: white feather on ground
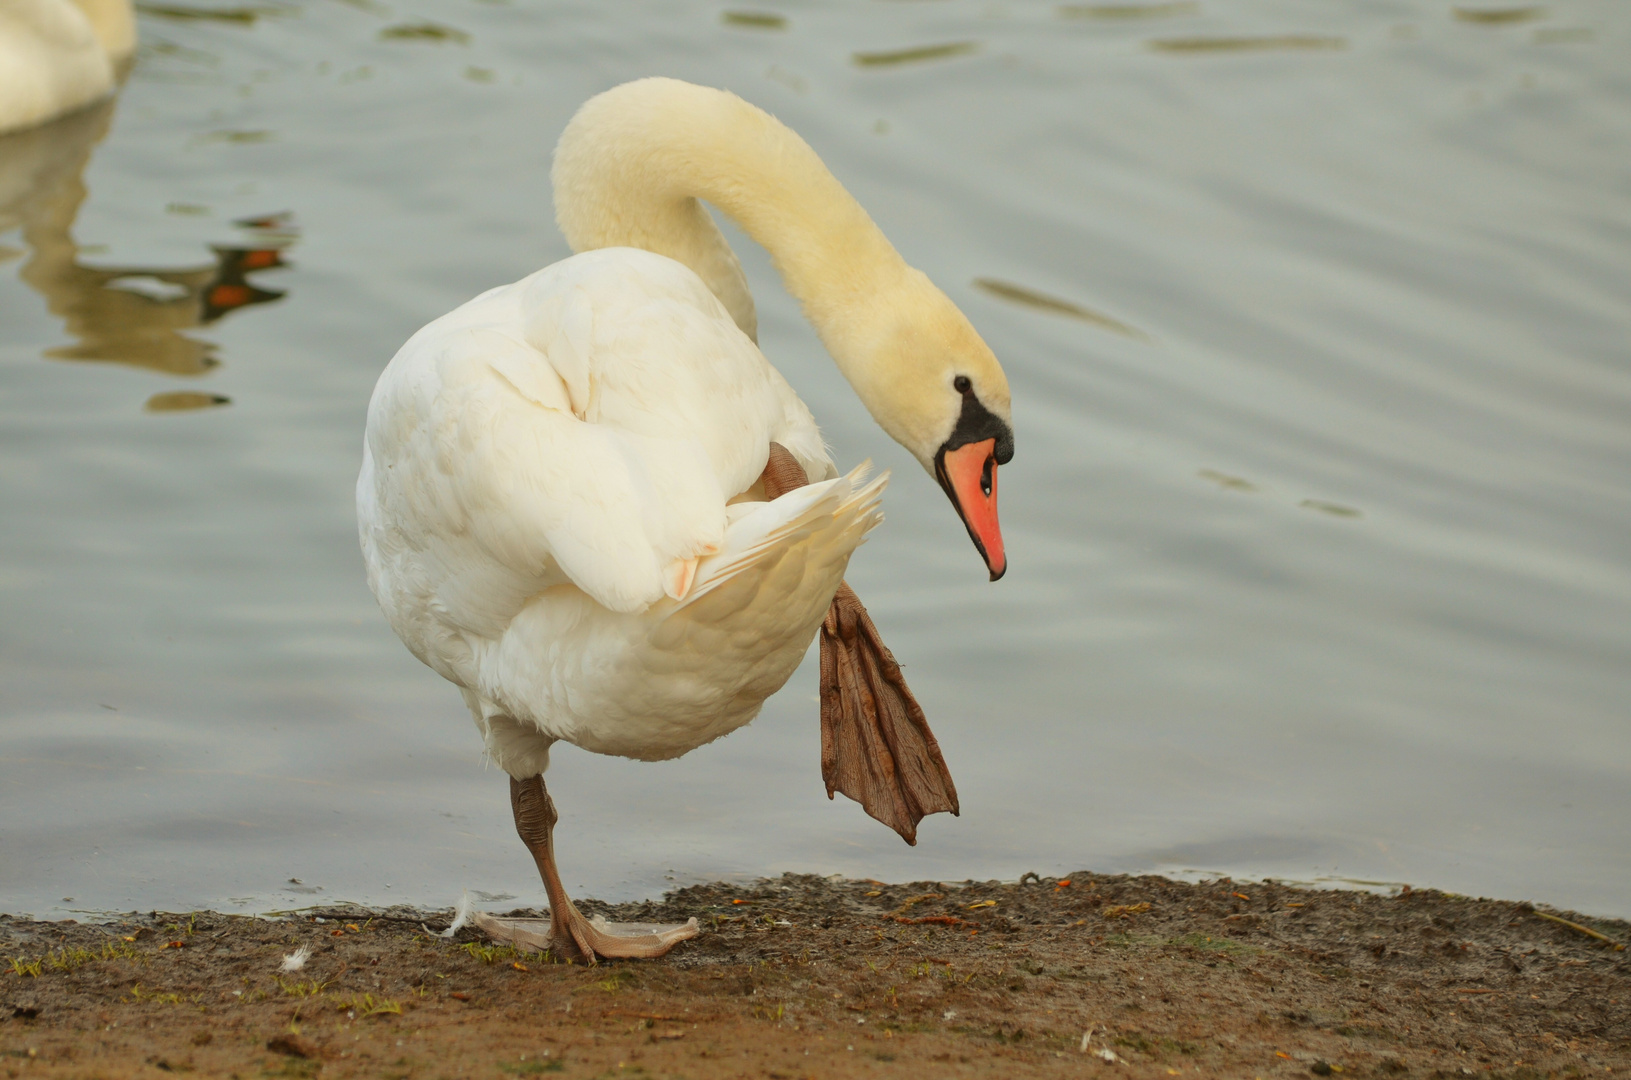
{"points": [[296, 960], [461, 915]]}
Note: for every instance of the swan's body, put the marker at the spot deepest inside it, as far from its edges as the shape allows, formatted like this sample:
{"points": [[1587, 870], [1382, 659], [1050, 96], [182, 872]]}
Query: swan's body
{"points": [[558, 450], [561, 503], [57, 56]]}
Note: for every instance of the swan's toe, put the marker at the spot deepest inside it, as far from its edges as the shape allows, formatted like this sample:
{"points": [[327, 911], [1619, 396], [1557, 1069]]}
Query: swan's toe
{"points": [[522, 933], [622, 940], [642, 940], [679, 575]]}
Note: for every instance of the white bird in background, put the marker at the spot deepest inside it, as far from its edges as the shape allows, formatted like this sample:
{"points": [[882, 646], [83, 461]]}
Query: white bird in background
{"points": [[584, 496], [57, 56]]}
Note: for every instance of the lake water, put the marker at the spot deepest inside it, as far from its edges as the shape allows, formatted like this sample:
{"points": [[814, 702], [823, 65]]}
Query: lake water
{"points": [[1316, 316]]}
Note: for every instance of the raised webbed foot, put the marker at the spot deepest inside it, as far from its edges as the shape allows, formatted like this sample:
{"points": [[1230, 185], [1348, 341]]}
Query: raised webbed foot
{"points": [[876, 746]]}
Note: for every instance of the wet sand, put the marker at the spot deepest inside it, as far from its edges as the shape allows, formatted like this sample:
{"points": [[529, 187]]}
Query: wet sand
{"points": [[810, 977]]}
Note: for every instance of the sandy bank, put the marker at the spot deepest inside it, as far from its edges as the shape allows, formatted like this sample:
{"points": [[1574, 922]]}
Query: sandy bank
{"points": [[804, 976]]}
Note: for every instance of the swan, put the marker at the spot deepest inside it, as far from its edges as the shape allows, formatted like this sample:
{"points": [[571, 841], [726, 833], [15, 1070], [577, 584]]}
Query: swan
{"points": [[590, 502], [57, 56]]}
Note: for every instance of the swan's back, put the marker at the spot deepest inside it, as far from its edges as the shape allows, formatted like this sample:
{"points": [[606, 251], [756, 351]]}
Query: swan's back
{"points": [[582, 427], [59, 55], [540, 460]]}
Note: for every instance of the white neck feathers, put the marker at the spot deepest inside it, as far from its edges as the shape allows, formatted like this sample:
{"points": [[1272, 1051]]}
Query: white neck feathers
{"points": [[633, 163]]}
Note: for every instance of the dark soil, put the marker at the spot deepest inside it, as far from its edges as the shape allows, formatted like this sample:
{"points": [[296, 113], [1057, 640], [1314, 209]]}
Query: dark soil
{"points": [[807, 977]]}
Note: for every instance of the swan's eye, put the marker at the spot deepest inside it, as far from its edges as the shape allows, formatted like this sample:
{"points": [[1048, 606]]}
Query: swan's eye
{"points": [[962, 385]]}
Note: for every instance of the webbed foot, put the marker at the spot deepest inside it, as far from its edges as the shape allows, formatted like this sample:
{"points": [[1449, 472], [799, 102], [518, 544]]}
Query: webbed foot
{"points": [[566, 929], [628, 940], [876, 746]]}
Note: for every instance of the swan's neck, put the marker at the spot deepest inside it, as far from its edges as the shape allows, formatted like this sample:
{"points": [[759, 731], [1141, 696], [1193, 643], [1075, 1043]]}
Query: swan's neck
{"points": [[632, 165]]}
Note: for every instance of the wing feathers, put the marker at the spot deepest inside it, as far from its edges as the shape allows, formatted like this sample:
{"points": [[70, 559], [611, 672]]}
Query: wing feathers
{"points": [[846, 507]]}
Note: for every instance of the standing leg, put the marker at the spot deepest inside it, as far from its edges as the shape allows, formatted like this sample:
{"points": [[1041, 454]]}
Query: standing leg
{"points": [[535, 819]]}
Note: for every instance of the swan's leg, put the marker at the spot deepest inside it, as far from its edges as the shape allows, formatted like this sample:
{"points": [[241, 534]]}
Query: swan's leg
{"points": [[876, 746], [535, 819]]}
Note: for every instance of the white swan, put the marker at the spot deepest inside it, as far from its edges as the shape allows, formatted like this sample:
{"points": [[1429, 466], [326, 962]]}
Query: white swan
{"points": [[562, 499], [60, 55]]}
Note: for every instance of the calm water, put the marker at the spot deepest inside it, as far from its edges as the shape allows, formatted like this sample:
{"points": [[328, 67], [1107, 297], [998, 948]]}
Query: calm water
{"points": [[1316, 316]]}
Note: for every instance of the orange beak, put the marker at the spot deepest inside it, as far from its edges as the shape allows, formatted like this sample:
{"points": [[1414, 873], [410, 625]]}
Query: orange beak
{"points": [[969, 475]]}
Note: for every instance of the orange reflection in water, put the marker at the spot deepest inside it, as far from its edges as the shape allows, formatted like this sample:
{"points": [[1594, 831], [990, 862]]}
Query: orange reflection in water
{"points": [[133, 315]]}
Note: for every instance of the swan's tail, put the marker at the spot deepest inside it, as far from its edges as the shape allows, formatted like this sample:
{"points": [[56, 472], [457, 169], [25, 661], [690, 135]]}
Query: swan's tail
{"points": [[826, 520]]}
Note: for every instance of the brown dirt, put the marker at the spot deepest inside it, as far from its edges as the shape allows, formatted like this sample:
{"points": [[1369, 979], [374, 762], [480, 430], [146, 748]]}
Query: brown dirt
{"points": [[807, 977]]}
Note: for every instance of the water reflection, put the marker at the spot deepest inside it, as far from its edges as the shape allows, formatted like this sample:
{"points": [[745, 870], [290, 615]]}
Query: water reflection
{"points": [[126, 315], [1019, 294], [1129, 11], [121, 314], [424, 31], [243, 16], [1224, 480], [912, 56], [755, 20], [1499, 16], [1274, 43], [1334, 509], [184, 401]]}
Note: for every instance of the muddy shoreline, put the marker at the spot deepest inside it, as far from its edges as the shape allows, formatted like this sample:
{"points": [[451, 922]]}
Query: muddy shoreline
{"points": [[802, 976]]}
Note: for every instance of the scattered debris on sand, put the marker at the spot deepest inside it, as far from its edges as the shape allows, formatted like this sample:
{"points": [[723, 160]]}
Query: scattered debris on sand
{"points": [[804, 976]]}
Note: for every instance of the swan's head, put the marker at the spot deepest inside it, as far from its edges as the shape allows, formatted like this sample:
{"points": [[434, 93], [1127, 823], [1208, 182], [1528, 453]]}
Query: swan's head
{"points": [[937, 389]]}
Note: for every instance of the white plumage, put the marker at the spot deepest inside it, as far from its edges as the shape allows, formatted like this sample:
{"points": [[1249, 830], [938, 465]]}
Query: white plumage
{"points": [[60, 55], [543, 509]]}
